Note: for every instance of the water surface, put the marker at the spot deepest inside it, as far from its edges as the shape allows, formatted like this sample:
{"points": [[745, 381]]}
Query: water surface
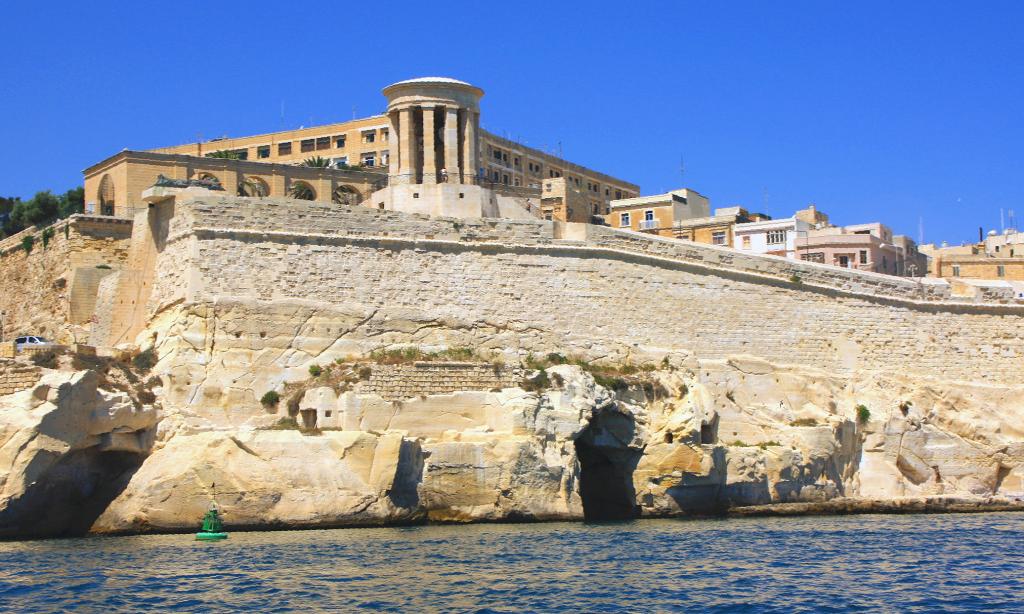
{"points": [[920, 563]]}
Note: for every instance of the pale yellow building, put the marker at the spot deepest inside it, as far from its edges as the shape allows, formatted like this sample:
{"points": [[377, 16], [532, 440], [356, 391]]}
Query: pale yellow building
{"points": [[657, 214], [364, 145]]}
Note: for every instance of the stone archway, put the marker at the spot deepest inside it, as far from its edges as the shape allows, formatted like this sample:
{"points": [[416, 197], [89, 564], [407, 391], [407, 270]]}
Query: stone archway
{"points": [[301, 190], [346, 195], [105, 195], [253, 187]]}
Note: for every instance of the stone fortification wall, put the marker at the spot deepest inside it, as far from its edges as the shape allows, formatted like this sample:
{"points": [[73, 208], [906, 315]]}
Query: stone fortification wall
{"points": [[397, 382], [16, 376], [45, 288], [602, 293]]}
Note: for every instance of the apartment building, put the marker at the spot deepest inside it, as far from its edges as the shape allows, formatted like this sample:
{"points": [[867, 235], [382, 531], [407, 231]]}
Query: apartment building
{"points": [[657, 214]]}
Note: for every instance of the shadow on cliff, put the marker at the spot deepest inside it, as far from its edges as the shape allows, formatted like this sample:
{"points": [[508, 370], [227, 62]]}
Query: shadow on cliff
{"points": [[607, 464], [71, 496]]}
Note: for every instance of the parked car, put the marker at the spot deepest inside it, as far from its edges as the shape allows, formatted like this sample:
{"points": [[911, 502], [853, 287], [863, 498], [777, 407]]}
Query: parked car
{"points": [[29, 341]]}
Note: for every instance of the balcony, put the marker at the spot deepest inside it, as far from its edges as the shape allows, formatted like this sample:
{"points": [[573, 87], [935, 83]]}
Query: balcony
{"points": [[648, 225]]}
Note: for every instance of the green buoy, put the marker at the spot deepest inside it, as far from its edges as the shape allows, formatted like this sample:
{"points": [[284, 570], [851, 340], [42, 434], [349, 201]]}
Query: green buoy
{"points": [[213, 530]]}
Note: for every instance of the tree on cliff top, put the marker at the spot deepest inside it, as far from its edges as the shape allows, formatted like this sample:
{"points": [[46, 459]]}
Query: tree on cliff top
{"points": [[42, 208]]}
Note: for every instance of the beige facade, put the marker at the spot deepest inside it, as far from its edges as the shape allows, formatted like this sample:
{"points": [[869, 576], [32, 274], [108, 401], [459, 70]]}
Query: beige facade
{"points": [[473, 157], [115, 185], [658, 214], [560, 200]]}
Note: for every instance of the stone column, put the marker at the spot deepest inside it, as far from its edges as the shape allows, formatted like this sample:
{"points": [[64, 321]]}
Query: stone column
{"points": [[406, 147], [451, 143], [429, 165], [469, 162], [393, 146]]}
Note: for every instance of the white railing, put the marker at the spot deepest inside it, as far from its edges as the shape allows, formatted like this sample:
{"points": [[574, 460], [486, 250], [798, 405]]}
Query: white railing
{"points": [[648, 225]]}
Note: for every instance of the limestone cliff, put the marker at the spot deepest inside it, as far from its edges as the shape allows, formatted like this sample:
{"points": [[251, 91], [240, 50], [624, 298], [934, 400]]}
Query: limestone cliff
{"points": [[692, 436]]}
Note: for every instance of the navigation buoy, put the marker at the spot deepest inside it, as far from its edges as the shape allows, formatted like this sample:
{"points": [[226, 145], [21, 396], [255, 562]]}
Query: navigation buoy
{"points": [[212, 530]]}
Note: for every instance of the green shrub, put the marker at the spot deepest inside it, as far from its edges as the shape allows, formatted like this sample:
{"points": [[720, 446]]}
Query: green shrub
{"points": [[764, 445], [804, 422], [795, 279], [270, 399], [47, 234], [537, 383], [285, 424], [315, 370], [144, 361], [27, 242], [67, 230], [863, 414], [45, 359]]}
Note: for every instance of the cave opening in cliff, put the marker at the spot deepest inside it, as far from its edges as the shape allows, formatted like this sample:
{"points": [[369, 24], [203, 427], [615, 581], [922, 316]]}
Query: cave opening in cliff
{"points": [[606, 469]]}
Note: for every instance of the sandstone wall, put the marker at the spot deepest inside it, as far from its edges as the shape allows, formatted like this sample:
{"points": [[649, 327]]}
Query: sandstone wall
{"points": [[15, 376], [396, 382], [612, 294], [40, 287]]}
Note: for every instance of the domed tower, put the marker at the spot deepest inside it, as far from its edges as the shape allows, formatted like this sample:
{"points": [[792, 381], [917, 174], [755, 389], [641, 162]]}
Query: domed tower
{"points": [[434, 152], [436, 121]]}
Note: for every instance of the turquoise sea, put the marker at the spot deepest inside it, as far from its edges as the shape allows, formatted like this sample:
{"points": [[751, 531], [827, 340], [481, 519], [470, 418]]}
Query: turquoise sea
{"points": [[920, 563]]}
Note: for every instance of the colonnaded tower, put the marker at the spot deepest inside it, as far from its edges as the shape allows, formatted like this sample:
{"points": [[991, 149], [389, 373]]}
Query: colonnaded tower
{"points": [[433, 170]]}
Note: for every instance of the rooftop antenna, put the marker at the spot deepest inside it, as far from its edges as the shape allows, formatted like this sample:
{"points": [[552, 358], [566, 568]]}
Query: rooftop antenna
{"points": [[353, 111], [682, 171], [1013, 220], [920, 230], [1002, 226]]}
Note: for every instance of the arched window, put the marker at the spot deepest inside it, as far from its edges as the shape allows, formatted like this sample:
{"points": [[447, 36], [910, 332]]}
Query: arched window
{"points": [[106, 195], [253, 187], [302, 191], [346, 195]]}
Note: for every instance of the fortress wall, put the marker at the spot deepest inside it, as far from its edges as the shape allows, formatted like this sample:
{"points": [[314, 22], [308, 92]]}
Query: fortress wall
{"points": [[40, 287], [593, 298]]}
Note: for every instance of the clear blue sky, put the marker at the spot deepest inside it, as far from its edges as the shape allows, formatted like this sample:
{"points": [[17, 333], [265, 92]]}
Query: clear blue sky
{"points": [[885, 111]]}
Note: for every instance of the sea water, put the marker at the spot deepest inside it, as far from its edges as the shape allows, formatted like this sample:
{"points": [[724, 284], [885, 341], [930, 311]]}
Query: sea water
{"points": [[917, 563]]}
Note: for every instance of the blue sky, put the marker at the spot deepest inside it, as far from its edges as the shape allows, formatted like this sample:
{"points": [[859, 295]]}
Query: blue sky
{"points": [[887, 111]]}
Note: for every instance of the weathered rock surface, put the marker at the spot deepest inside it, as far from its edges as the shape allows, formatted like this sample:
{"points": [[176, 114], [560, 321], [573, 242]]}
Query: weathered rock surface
{"points": [[698, 436], [65, 449]]}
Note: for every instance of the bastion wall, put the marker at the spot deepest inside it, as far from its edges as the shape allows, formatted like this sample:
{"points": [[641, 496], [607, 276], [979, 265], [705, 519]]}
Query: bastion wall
{"points": [[592, 290], [53, 286]]}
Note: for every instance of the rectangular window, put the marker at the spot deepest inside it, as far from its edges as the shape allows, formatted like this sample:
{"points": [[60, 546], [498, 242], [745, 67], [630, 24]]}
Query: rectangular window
{"points": [[718, 238], [323, 142], [844, 261], [504, 179], [369, 136], [497, 154], [863, 256], [746, 242], [1000, 271], [813, 257], [956, 270], [369, 159], [339, 142], [284, 149], [263, 152], [649, 215], [776, 237], [384, 134], [341, 161], [307, 145], [618, 194], [623, 220]]}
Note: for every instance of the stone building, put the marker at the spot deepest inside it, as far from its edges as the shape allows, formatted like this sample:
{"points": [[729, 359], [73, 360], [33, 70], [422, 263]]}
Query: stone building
{"points": [[658, 214], [867, 247], [366, 145]]}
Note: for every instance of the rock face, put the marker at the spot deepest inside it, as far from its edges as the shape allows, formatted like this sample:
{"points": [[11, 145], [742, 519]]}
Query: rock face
{"points": [[694, 436], [65, 449]]}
